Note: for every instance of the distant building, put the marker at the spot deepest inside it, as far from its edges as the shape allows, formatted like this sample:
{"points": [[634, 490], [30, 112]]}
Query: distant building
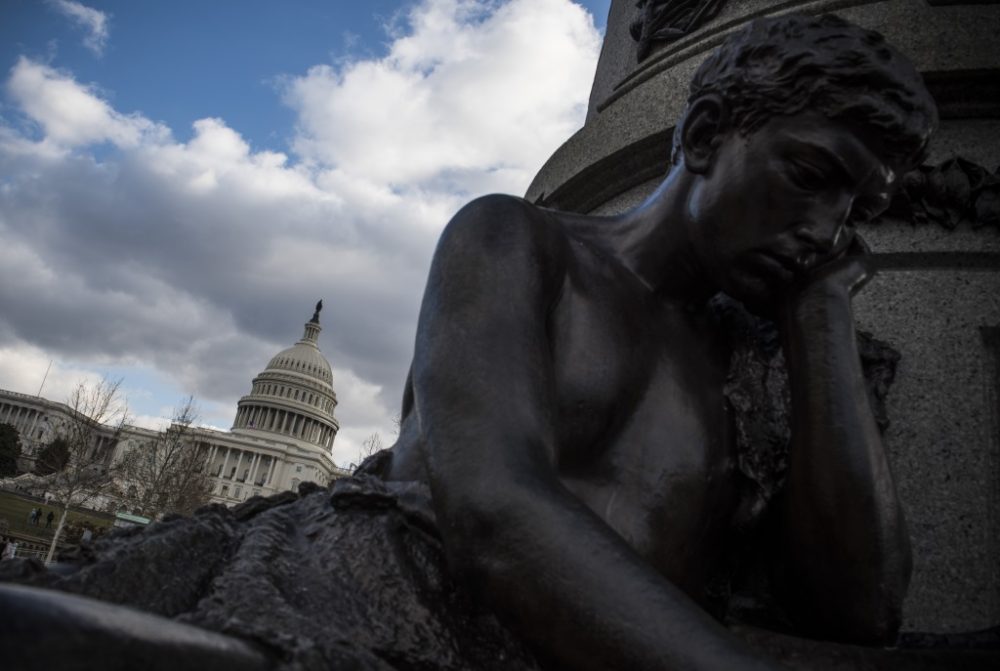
{"points": [[282, 436]]}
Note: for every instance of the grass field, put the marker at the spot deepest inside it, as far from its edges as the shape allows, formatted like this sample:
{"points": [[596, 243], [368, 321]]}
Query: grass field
{"points": [[15, 509]]}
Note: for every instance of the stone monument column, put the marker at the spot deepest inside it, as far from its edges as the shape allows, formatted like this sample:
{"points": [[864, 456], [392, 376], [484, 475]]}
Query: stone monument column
{"points": [[936, 298]]}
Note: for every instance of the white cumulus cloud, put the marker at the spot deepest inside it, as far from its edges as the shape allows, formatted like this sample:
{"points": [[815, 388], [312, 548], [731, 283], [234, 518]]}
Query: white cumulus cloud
{"points": [[201, 259], [469, 99], [72, 114], [94, 21]]}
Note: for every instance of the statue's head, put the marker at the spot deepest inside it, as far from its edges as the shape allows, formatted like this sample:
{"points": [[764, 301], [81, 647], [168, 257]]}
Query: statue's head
{"points": [[790, 64], [796, 131]]}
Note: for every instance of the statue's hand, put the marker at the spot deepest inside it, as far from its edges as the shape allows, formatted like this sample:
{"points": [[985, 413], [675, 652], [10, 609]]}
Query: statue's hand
{"points": [[825, 289], [844, 274]]}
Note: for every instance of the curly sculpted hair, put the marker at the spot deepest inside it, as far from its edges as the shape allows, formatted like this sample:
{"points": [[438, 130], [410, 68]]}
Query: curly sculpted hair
{"points": [[784, 65]]}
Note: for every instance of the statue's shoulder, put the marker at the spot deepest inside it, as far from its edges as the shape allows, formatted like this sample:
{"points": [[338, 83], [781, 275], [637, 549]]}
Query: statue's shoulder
{"points": [[503, 228], [501, 212]]}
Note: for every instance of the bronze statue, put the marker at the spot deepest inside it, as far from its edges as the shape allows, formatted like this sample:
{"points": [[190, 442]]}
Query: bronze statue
{"points": [[566, 417], [566, 401]]}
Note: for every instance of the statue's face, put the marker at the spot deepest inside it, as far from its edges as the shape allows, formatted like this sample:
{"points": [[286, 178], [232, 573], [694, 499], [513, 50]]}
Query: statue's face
{"points": [[782, 200]]}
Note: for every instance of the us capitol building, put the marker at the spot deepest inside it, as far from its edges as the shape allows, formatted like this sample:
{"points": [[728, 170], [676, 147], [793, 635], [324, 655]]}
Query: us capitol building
{"points": [[282, 436]]}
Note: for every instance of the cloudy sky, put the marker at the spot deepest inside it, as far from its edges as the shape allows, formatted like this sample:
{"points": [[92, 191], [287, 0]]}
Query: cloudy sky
{"points": [[181, 181]]}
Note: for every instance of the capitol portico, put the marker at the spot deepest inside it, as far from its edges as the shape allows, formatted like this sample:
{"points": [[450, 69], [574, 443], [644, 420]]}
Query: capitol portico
{"points": [[282, 435]]}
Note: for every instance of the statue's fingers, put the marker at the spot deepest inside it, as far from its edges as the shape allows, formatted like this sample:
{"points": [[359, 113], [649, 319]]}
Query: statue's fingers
{"points": [[861, 245]]}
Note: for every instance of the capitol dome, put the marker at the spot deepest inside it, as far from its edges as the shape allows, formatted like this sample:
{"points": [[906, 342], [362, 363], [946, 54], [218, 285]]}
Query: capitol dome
{"points": [[293, 397], [303, 357]]}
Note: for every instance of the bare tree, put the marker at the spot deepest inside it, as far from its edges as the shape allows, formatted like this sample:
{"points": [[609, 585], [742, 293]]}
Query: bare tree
{"points": [[84, 471], [52, 458], [166, 474], [10, 450], [369, 446]]}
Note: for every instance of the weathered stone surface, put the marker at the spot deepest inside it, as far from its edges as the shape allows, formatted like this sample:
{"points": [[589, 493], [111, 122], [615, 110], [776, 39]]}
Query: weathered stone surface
{"points": [[350, 578], [943, 440], [669, 20]]}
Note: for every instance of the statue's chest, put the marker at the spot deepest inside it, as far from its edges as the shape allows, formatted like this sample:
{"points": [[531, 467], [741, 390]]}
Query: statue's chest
{"points": [[628, 370], [666, 480], [645, 437]]}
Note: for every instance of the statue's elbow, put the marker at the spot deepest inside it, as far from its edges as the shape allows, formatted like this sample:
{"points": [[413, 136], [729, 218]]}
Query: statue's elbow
{"points": [[869, 619], [861, 607], [878, 619], [879, 626], [892, 595], [891, 590]]}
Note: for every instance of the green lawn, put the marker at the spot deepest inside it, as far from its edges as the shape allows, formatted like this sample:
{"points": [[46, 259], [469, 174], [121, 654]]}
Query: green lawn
{"points": [[15, 510]]}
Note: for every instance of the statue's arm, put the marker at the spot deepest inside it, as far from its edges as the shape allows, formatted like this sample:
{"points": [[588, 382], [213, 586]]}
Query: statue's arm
{"points": [[42, 630], [846, 554], [483, 392]]}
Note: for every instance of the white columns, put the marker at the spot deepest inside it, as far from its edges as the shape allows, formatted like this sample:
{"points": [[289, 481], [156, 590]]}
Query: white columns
{"points": [[34, 422], [239, 460], [225, 462], [253, 469]]}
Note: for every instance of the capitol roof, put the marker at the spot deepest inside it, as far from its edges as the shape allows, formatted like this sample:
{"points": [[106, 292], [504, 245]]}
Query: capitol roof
{"points": [[303, 357]]}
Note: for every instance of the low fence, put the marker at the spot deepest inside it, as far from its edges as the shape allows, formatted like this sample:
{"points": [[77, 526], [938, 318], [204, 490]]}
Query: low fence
{"points": [[33, 538], [31, 546]]}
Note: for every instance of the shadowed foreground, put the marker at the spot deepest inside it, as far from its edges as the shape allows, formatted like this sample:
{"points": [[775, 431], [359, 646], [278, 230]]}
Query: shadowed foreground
{"points": [[350, 578], [347, 578]]}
